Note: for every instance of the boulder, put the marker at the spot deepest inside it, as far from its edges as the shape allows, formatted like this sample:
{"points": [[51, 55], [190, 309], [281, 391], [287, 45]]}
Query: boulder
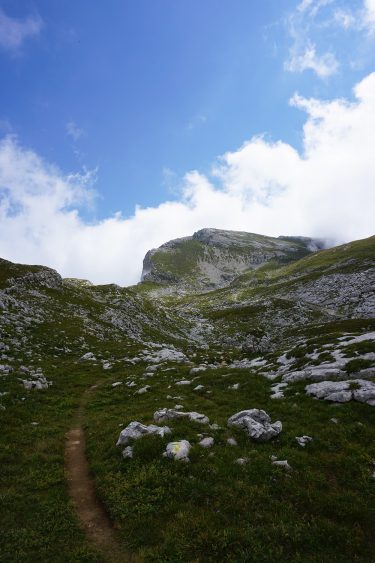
{"points": [[163, 415], [136, 430], [257, 423], [179, 451], [344, 391]]}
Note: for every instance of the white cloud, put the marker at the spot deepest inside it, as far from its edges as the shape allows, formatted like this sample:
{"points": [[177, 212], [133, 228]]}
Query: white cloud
{"points": [[265, 187], [13, 32], [323, 65], [301, 25], [369, 14], [74, 131]]}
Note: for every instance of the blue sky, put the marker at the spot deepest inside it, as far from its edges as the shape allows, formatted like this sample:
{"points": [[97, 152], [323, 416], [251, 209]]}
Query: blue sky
{"points": [[142, 93]]}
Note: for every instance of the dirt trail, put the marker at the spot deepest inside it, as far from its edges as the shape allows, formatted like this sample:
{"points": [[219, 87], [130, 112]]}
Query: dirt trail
{"points": [[90, 511]]}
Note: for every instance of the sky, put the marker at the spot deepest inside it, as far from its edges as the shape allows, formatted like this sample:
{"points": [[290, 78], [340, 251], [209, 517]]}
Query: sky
{"points": [[126, 124]]}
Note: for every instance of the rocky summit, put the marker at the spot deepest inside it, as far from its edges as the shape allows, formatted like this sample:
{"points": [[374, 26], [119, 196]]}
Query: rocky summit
{"points": [[237, 378]]}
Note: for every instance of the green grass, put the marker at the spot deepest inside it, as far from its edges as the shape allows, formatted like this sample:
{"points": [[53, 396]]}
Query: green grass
{"points": [[36, 517], [212, 509]]}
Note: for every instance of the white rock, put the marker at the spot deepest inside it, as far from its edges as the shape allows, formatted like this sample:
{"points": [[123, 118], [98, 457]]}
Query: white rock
{"points": [[165, 414], [88, 356], [198, 388], [117, 383], [257, 423], [232, 442], [235, 386], [178, 451], [183, 382], [343, 391], [303, 440], [136, 430], [282, 463], [242, 460], [197, 370], [143, 390], [131, 384], [207, 442]]}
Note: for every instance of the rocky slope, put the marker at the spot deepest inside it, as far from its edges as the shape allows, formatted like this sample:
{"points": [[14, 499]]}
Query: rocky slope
{"points": [[213, 258]]}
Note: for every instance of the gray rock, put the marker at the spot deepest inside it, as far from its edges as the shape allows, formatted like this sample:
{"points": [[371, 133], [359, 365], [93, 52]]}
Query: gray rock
{"points": [[257, 423], [88, 356], [207, 442], [242, 460], [127, 453], [166, 414], [136, 430], [344, 391], [143, 390], [282, 463], [303, 440], [232, 442]]}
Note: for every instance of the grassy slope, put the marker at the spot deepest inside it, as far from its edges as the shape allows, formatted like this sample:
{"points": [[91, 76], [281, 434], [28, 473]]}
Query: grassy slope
{"points": [[212, 509], [37, 520], [204, 511]]}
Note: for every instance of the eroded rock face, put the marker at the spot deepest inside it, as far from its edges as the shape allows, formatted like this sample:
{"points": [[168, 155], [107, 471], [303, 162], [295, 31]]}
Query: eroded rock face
{"points": [[344, 391], [257, 424], [163, 415], [136, 430]]}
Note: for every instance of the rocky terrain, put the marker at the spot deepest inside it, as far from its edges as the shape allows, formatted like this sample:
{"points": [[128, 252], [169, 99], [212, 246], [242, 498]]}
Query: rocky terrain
{"points": [[249, 359]]}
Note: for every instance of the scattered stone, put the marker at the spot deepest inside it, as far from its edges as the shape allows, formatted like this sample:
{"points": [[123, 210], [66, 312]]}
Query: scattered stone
{"points": [[303, 440], [207, 442], [257, 423], [179, 451], [183, 382], [242, 460], [165, 355], [198, 388], [127, 453], [197, 370], [143, 390], [116, 384], [282, 463], [136, 430], [165, 414], [232, 442], [277, 390], [88, 356], [131, 384]]}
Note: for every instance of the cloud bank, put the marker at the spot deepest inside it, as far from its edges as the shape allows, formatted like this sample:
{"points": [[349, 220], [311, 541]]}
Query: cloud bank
{"points": [[327, 190]]}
